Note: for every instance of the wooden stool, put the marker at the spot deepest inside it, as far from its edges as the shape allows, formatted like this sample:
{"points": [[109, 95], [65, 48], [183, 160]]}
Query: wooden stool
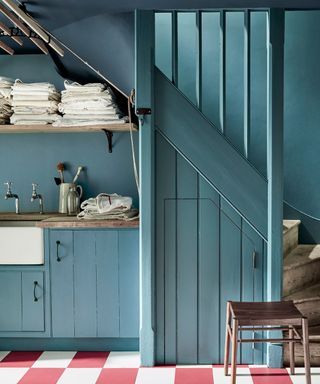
{"points": [[275, 316]]}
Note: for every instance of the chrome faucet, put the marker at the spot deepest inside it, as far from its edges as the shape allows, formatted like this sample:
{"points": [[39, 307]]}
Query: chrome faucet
{"points": [[10, 195], [36, 196]]}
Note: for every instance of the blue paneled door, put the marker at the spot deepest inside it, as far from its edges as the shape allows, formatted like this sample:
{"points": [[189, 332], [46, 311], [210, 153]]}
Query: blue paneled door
{"points": [[94, 283], [21, 301]]}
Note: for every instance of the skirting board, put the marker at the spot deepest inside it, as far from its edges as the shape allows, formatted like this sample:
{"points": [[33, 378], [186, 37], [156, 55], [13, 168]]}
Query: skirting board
{"points": [[69, 344]]}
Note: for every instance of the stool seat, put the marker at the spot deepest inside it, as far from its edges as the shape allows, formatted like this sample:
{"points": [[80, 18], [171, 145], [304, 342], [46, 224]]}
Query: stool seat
{"points": [[267, 314]]}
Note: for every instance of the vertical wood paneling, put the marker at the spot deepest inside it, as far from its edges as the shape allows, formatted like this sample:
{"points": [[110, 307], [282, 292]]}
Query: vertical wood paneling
{"points": [[170, 270], [187, 262], [222, 103], [187, 282], [163, 43], [10, 301], [85, 283], [209, 279], [246, 85], [230, 267], [165, 189], [62, 280], [199, 60], [33, 311], [107, 258], [129, 283]]}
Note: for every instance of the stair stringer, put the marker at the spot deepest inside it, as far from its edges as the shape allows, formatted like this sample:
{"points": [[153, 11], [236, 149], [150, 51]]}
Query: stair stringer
{"points": [[210, 153]]}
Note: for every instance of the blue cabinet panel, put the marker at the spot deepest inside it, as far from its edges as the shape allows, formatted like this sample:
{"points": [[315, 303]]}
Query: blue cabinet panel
{"points": [[85, 284], [129, 282], [33, 296], [108, 315], [95, 285], [10, 301], [62, 288]]}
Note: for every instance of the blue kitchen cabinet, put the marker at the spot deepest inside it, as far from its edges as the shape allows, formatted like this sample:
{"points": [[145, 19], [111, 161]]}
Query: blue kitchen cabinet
{"points": [[22, 301], [94, 277]]}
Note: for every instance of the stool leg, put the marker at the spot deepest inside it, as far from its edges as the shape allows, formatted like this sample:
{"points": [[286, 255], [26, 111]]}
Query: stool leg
{"points": [[291, 351], [227, 341], [306, 351], [235, 325]]}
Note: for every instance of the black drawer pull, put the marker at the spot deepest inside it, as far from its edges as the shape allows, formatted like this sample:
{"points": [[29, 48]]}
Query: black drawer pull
{"points": [[58, 257], [35, 284]]}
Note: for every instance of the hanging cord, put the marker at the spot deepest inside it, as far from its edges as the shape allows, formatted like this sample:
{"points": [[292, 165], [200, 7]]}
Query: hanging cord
{"points": [[134, 161]]}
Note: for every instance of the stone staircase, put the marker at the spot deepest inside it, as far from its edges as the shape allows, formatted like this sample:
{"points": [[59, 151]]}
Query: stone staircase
{"points": [[301, 283]]}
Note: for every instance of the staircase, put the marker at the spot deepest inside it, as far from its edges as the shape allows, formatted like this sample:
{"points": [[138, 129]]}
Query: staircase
{"points": [[301, 283]]}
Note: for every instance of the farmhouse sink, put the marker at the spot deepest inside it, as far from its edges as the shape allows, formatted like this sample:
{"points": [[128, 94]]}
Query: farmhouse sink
{"points": [[21, 243]]}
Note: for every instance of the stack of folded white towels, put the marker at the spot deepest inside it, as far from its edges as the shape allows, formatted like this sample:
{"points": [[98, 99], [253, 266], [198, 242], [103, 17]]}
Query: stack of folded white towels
{"points": [[5, 99], [89, 104], [34, 103]]}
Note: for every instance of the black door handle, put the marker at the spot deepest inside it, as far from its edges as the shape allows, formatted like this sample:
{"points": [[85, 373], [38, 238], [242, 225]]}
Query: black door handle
{"points": [[58, 257], [35, 284]]}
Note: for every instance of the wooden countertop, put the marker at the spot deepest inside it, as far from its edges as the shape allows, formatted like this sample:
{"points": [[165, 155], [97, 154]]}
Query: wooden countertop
{"points": [[73, 222]]}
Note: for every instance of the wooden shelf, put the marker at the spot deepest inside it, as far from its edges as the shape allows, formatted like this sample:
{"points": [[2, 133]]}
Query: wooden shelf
{"points": [[48, 128]]}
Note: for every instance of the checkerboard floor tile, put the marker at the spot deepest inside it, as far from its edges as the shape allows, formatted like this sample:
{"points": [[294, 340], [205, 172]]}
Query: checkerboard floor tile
{"points": [[51, 367]]}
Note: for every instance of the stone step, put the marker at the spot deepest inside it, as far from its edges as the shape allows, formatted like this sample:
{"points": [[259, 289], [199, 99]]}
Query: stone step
{"points": [[299, 269], [290, 235], [307, 301]]}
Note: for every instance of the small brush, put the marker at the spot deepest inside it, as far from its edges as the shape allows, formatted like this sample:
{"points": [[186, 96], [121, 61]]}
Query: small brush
{"points": [[60, 169], [77, 174]]}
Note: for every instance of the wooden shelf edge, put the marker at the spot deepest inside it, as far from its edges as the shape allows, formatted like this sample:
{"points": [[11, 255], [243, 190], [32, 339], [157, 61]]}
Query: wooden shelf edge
{"points": [[48, 128]]}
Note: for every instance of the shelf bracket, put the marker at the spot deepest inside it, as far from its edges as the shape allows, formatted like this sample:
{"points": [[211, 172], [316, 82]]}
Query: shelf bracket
{"points": [[109, 135]]}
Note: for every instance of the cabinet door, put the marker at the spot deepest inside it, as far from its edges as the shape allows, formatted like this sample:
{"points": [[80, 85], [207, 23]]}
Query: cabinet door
{"points": [[33, 301], [129, 282], [62, 279], [10, 301]]}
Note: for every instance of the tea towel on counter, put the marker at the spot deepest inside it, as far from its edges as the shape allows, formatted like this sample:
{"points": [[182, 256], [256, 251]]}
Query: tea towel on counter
{"points": [[89, 104], [34, 103], [5, 99], [108, 206]]}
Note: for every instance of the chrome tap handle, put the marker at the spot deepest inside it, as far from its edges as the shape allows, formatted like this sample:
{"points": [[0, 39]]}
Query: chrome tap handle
{"points": [[34, 188], [8, 184]]}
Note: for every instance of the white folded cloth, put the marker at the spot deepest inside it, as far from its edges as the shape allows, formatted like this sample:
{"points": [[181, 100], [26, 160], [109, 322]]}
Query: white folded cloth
{"points": [[62, 122], [108, 206], [90, 87], [18, 84], [45, 118]]}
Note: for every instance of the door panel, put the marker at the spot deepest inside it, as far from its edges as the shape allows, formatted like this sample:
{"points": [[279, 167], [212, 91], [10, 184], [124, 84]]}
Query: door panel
{"points": [[10, 301], [62, 282], [33, 295]]}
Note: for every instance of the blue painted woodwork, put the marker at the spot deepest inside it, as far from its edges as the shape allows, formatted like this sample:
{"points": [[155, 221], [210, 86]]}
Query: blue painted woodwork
{"points": [[203, 258], [94, 286], [227, 170], [61, 281], [20, 313], [144, 46], [195, 273], [17, 343], [129, 283]]}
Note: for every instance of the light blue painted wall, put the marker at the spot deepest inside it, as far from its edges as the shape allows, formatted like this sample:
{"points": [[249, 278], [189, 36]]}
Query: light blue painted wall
{"points": [[31, 158]]}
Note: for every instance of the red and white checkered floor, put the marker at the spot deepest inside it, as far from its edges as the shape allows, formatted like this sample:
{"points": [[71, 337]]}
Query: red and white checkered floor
{"points": [[124, 368]]}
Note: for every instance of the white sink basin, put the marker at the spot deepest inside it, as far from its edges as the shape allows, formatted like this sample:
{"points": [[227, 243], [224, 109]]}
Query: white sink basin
{"points": [[21, 245]]}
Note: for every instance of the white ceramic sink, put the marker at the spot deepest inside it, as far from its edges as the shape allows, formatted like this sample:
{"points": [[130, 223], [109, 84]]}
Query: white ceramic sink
{"points": [[21, 244]]}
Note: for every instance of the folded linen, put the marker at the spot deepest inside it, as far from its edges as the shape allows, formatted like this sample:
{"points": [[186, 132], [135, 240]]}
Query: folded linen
{"points": [[90, 87], [18, 84], [45, 118], [35, 103], [82, 123]]}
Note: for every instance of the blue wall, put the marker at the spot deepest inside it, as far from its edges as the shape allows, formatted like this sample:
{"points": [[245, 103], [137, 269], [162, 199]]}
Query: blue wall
{"points": [[27, 158]]}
